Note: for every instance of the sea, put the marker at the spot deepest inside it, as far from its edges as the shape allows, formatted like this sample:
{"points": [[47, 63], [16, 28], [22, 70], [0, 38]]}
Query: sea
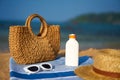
{"points": [[89, 35]]}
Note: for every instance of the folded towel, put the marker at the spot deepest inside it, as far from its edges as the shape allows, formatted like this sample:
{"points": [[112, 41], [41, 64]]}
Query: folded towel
{"points": [[59, 72]]}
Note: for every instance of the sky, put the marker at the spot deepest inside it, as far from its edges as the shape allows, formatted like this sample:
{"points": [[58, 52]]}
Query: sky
{"points": [[55, 10]]}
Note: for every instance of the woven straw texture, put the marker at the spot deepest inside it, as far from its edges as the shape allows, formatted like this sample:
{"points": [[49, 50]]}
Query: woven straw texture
{"points": [[86, 73], [107, 60], [27, 48]]}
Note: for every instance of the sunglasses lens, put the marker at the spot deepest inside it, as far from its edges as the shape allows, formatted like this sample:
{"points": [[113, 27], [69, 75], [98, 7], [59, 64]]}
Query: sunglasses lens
{"points": [[47, 66], [33, 68]]}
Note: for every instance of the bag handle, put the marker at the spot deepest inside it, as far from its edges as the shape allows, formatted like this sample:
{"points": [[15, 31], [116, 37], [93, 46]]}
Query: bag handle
{"points": [[43, 29]]}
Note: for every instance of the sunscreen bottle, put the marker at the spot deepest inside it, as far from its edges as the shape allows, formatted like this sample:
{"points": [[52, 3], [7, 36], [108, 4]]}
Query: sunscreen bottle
{"points": [[72, 51]]}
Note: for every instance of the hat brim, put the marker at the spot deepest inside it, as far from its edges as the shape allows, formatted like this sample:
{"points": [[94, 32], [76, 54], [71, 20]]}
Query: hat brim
{"points": [[87, 73]]}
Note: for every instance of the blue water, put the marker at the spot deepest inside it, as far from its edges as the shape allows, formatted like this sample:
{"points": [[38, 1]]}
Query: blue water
{"points": [[89, 35]]}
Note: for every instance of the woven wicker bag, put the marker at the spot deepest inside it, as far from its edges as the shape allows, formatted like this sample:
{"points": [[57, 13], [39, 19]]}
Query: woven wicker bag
{"points": [[27, 48]]}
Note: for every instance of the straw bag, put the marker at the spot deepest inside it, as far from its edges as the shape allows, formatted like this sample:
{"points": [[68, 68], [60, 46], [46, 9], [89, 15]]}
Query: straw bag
{"points": [[26, 47]]}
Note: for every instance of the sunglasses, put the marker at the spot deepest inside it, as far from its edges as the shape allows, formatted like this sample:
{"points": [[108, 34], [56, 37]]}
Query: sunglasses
{"points": [[31, 69]]}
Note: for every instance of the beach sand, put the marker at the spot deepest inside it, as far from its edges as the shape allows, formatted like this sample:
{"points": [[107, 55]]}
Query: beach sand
{"points": [[4, 61], [4, 66]]}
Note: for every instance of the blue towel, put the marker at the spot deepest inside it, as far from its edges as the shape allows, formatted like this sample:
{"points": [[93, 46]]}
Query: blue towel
{"points": [[59, 72]]}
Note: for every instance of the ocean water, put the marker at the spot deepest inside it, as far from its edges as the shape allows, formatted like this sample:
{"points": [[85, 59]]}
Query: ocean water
{"points": [[89, 35]]}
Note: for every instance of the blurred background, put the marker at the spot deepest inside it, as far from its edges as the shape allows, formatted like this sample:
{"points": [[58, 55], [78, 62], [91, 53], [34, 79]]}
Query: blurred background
{"points": [[95, 22]]}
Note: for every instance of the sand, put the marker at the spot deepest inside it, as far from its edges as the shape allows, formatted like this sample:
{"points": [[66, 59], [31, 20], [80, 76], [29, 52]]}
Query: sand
{"points": [[4, 61], [4, 66]]}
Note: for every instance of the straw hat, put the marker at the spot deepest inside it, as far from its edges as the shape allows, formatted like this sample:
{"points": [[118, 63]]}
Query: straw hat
{"points": [[106, 66]]}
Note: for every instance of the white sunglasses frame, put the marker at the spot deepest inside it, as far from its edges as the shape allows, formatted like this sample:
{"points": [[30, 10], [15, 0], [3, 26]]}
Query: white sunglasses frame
{"points": [[31, 72], [45, 69], [39, 66]]}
